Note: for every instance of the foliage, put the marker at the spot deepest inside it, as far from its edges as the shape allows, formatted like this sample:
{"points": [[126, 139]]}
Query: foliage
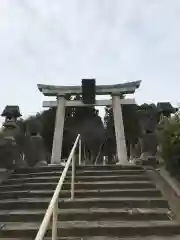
{"points": [[131, 124], [75, 119], [86, 121], [171, 145]]}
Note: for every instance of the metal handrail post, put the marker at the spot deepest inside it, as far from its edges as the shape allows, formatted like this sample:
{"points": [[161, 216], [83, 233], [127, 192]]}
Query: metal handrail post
{"points": [[54, 221], [80, 146], [73, 176]]}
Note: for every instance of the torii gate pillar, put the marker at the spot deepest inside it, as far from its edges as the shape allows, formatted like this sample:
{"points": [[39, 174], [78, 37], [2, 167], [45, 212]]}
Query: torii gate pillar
{"points": [[119, 131], [58, 132]]}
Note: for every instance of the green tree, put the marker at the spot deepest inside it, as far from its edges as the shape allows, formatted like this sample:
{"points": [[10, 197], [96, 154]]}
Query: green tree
{"points": [[131, 127], [83, 120], [171, 144]]}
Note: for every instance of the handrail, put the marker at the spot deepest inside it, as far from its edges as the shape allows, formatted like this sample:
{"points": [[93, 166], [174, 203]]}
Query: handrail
{"points": [[53, 206]]}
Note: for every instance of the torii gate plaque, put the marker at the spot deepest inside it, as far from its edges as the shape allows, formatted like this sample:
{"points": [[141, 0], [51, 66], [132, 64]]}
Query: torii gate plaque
{"points": [[116, 91]]}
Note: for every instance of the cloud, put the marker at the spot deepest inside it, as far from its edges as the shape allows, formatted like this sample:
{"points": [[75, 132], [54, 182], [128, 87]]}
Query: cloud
{"points": [[61, 41]]}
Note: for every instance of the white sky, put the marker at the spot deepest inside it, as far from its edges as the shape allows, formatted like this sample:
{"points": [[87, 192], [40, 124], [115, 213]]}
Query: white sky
{"points": [[62, 41]]}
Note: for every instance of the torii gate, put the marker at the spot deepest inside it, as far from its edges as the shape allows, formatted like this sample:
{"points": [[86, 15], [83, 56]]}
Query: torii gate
{"points": [[116, 92]]}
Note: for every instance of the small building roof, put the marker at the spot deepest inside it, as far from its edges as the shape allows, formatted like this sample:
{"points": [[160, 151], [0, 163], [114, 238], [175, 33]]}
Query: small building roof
{"points": [[11, 111], [123, 88]]}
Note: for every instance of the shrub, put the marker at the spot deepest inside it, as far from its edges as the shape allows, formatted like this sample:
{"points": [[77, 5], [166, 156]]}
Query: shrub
{"points": [[171, 145]]}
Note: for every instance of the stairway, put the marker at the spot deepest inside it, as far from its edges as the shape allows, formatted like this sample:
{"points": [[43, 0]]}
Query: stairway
{"points": [[111, 202]]}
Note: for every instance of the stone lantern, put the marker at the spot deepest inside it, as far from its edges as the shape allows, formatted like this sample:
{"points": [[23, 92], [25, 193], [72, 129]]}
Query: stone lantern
{"points": [[11, 139], [11, 114], [165, 109]]}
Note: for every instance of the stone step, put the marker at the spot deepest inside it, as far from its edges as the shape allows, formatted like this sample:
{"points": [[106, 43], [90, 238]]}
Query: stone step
{"points": [[78, 179], [79, 173], [94, 228], [42, 203], [85, 167], [112, 203], [151, 192], [83, 185], [91, 214], [174, 237]]}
